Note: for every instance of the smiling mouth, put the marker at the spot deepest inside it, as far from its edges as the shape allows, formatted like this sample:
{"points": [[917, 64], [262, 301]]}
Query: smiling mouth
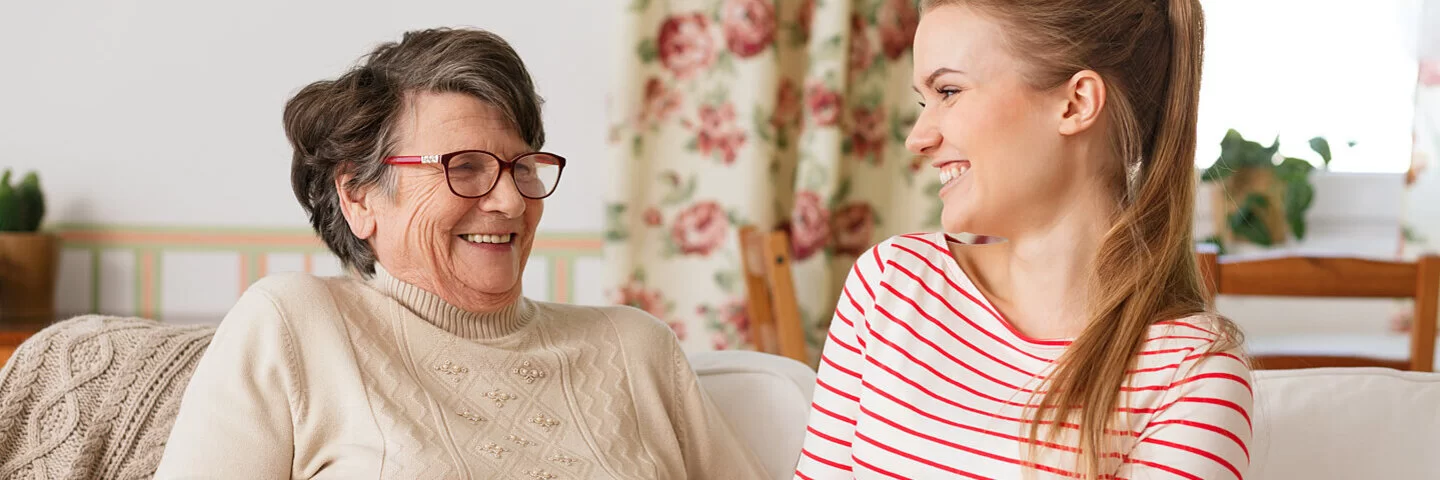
{"points": [[952, 171], [503, 238]]}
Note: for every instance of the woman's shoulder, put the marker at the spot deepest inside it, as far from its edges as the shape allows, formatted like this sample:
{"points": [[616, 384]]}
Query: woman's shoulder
{"points": [[282, 300], [298, 289], [641, 337], [302, 282], [621, 320], [1194, 345]]}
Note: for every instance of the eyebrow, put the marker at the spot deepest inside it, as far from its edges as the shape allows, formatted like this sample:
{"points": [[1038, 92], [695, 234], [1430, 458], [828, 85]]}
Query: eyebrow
{"points": [[930, 79]]}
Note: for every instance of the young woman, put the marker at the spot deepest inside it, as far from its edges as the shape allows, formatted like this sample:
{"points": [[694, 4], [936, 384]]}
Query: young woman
{"points": [[1080, 346]]}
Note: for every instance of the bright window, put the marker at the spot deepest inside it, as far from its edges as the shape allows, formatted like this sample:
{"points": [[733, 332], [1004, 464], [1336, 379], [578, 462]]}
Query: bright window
{"points": [[1341, 69]]}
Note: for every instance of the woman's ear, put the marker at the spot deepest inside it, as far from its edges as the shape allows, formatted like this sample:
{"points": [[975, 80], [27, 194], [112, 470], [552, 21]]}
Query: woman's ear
{"points": [[356, 205], [1085, 99]]}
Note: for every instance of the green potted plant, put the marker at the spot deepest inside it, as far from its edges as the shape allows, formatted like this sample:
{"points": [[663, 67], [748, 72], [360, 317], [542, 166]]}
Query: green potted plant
{"points": [[1261, 196], [29, 259]]}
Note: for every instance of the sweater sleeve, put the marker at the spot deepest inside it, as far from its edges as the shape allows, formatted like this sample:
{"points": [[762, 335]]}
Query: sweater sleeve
{"points": [[826, 453], [235, 419], [1202, 429], [710, 445]]}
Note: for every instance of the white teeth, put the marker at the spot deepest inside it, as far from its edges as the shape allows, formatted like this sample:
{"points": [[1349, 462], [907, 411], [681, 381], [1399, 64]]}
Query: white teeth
{"points": [[952, 172], [478, 238]]}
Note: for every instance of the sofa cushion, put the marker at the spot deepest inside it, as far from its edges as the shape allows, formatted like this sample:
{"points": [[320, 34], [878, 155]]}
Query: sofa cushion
{"points": [[766, 398], [1345, 423]]}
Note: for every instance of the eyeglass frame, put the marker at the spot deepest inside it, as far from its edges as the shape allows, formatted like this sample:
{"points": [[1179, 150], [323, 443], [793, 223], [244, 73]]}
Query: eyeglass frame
{"points": [[444, 161]]}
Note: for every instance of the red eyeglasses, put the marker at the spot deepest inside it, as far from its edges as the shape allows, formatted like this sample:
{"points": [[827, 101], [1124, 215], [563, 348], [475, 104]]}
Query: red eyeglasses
{"points": [[474, 173]]}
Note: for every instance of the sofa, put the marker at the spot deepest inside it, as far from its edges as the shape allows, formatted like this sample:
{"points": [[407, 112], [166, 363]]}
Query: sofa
{"points": [[1321, 424]]}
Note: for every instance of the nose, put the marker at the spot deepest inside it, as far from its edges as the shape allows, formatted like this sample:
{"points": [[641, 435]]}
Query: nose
{"points": [[504, 199], [924, 136]]}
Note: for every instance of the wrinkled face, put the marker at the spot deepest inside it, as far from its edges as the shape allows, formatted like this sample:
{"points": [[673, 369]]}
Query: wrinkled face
{"points": [[993, 139], [471, 252]]}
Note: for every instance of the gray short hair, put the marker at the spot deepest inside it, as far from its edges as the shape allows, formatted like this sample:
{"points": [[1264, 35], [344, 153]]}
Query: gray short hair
{"points": [[347, 124]]}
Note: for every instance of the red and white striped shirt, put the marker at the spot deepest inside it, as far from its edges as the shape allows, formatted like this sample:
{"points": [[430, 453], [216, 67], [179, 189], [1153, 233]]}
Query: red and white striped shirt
{"points": [[921, 378]]}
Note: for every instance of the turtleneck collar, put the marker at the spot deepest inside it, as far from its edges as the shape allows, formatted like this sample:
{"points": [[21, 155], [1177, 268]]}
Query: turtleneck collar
{"points": [[465, 324]]}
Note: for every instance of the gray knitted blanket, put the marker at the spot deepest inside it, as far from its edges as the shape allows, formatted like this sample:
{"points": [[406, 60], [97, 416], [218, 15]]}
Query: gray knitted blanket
{"points": [[95, 397]]}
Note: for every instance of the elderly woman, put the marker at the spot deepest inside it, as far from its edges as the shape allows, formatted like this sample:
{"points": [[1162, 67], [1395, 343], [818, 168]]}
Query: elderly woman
{"points": [[421, 170]]}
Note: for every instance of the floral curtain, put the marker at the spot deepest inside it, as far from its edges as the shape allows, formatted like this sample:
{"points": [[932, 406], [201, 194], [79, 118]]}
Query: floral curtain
{"points": [[1421, 228], [1420, 231], [775, 113]]}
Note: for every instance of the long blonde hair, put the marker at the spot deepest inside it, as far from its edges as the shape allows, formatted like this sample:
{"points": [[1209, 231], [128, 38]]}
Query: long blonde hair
{"points": [[1148, 53]]}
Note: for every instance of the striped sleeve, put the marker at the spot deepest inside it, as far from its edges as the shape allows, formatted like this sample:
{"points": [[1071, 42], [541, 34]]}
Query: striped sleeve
{"points": [[826, 453], [1202, 429]]}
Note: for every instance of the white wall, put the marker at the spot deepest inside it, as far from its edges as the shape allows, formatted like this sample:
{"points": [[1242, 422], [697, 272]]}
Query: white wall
{"points": [[167, 112]]}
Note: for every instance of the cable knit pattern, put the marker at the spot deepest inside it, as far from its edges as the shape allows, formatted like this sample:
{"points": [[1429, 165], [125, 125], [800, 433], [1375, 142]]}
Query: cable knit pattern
{"points": [[339, 378], [78, 398]]}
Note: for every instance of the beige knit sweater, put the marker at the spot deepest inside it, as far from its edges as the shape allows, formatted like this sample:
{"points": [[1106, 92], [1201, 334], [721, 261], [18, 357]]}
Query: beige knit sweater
{"points": [[338, 378]]}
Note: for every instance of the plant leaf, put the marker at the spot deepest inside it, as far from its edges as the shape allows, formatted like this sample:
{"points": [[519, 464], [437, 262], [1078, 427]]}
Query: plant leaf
{"points": [[1294, 170], [1236, 152], [1217, 171], [639, 5], [1298, 196], [1274, 148], [1322, 147], [1217, 242], [1248, 221], [9, 205]]}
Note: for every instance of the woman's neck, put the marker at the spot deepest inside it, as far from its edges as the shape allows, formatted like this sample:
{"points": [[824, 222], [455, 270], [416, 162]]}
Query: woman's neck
{"points": [[1040, 277]]}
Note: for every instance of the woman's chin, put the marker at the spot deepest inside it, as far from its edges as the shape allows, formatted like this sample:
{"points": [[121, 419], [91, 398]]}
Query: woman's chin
{"points": [[957, 220], [489, 280]]}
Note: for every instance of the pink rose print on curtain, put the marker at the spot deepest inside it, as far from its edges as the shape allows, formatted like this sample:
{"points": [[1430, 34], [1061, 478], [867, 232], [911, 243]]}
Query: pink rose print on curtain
{"points": [[729, 322], [805, 17], [652, 217], [823, 103], [701, 229], [862, 54], [749, 26], [685, 45], [660, 102], [854, 226], [718, 132], [1429, 72], [867, 133], [787, 105], [635, 294], [897, 20], [809, 225]]}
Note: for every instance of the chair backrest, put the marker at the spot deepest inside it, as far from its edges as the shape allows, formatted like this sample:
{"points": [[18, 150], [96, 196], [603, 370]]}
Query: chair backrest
{"points": [[1345, 423], [775, 321], [1312, 276], [765, 397]]}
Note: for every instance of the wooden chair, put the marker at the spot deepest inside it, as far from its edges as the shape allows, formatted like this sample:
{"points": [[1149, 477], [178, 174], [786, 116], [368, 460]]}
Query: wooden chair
{"points": [[775, 323], [1336, 277]]}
